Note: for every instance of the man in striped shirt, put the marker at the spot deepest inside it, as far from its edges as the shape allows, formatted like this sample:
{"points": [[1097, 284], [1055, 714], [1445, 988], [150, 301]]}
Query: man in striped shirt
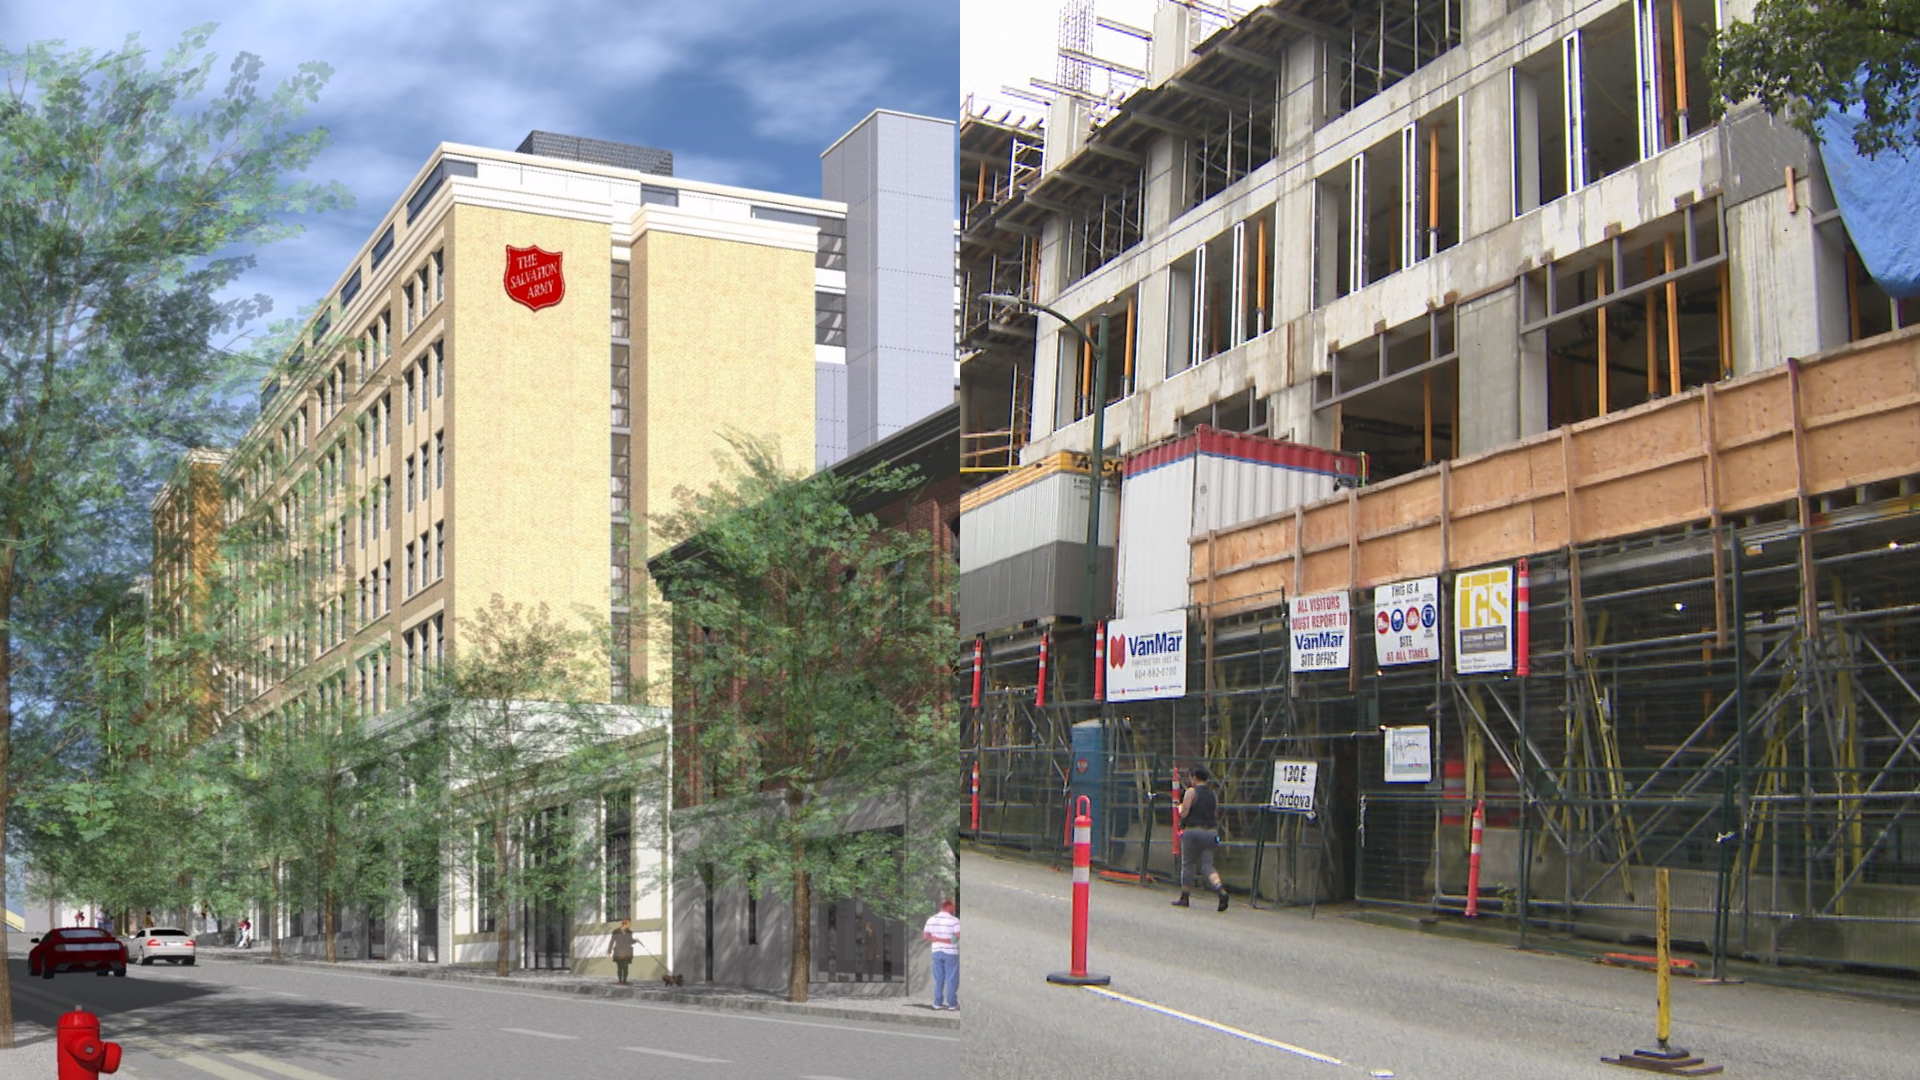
{"points": [[943, 929]]}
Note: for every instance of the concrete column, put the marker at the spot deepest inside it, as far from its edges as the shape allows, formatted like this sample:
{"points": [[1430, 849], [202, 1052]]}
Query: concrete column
{"points": [[1165, 197], [1293, 244], [1503, 377], [1173, 33], [1150, 323], [1477, 15], [1486, 155], [1068, 125], [1303, 104], [1774, 254]]}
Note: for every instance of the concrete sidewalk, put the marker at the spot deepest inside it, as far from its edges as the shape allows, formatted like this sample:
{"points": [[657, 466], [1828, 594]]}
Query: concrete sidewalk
{"points": [[892, 1008]]}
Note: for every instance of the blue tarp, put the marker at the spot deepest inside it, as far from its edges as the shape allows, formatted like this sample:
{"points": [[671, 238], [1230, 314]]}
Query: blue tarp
{"points": [[1879, 200]]}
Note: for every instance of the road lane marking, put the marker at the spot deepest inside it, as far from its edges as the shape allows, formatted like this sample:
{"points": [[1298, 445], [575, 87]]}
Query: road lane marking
{"points": [[823, 1078], [674, 1054], [256, 1060], [1029, 892], [1223, 1028], [678, 1010], [541, 1034], [211, 1067]]}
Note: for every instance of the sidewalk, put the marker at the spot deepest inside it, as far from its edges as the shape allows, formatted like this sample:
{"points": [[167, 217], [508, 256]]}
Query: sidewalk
{"points": [[1891, 989], [893, 1009]]}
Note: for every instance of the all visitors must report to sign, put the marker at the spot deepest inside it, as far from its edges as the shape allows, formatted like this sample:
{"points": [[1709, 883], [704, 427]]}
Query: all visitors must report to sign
{"points": [[1321, 627]]}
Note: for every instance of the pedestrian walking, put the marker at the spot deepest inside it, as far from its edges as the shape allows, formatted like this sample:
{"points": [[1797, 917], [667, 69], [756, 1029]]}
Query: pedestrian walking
{"points": [[623, 950], [246, 933], [1199, 835], [943, 929]]}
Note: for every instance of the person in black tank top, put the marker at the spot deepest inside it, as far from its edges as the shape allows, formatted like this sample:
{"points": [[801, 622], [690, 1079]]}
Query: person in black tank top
{"points": [[1199, 835]]}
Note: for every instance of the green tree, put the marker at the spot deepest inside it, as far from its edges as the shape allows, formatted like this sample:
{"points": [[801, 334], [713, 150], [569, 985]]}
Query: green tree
{"points": [[518, 712], [811, 685], [1805, 58], [124, 190]]}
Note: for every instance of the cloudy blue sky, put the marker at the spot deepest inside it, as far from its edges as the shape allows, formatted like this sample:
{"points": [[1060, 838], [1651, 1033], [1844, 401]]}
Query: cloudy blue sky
{"points": [[742, 91]]}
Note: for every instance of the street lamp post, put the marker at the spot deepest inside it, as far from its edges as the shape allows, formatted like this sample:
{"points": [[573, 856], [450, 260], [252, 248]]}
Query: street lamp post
{"points": [[1096, 458]]}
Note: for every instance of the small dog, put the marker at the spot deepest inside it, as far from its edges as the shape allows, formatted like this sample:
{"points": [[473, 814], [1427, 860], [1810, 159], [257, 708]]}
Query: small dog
{"points": [[674, 980]]}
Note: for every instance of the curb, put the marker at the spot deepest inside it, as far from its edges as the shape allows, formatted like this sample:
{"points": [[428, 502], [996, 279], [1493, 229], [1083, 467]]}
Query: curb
{"points": [[631, 993]]}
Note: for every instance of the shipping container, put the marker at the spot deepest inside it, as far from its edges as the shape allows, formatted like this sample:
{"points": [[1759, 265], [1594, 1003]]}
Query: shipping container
{"points": [[1205, 481]]}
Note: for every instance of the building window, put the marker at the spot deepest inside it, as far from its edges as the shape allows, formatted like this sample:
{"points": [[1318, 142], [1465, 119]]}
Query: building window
{"points": [[386, 585], [410, 489], [363, 601], [439, 459], [619, 856], [406, 297], [483, 843], [439, 550], [439, 276], [426, 456], [410, 579], [386, 501], [439, 370], [410, 409], [386, 419]]}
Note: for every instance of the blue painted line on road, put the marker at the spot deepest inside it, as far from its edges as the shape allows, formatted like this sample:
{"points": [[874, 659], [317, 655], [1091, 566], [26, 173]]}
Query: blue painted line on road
{"points": [[1215, 1026]]}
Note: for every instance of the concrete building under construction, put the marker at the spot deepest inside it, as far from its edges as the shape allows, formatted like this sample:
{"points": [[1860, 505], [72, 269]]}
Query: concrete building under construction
{"points": [[1555, 323]]}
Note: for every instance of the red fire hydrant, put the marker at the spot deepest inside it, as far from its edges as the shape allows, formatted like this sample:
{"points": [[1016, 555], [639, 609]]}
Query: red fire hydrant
{"points": [[83, 1054]]}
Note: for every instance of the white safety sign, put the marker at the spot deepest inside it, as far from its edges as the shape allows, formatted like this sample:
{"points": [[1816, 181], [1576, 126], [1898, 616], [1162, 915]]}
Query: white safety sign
{"points": [[1409, 754], [1322, 632], [1293, 785], [1406, 618]]}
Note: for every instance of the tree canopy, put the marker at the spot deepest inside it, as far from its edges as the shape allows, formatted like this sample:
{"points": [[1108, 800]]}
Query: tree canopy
{"points": [[810, 685], [1806, 58], [130, 198]]}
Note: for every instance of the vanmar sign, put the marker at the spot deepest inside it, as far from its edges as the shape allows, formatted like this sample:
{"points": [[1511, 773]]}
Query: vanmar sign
{"points": [[1147, 657]]}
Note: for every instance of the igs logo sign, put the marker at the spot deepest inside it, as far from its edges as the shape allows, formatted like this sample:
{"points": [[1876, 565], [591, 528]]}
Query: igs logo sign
{"points": [[1483, 620], [534, 278], [1147, 657]]}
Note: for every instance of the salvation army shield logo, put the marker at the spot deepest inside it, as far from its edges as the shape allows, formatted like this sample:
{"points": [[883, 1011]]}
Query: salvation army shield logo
{"points": [[534, 278]]}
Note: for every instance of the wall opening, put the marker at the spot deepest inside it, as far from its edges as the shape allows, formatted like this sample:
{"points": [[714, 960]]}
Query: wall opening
{"points": [[1644, 315], [1395, 396], [1121, 313]]}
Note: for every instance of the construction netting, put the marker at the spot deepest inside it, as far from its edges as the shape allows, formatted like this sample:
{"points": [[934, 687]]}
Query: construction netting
{"points": [[1740, 705]]}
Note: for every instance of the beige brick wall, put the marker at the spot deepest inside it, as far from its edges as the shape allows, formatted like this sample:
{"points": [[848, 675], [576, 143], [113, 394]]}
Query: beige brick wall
{"points": [[528, 421], [723, 342]]}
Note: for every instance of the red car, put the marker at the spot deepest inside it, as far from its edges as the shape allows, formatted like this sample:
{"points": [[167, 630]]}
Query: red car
{"points": [[77, 948]]}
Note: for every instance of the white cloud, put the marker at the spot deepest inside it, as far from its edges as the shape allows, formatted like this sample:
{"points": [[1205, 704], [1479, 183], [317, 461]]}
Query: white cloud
{"points": [[807, 99]]}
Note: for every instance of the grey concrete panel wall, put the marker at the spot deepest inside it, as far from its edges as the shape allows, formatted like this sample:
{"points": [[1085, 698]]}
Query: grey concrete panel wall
{"points": [[829, 413], [896, 175], [1046, 581], [1503, 380]]}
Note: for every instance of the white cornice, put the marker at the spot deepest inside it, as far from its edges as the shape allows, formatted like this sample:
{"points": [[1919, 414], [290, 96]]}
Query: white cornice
{"points": [[774, 234]]}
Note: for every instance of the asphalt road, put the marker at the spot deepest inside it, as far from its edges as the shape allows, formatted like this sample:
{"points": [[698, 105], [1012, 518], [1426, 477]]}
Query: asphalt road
{"points": [[241, 1021], [1273, 995]]}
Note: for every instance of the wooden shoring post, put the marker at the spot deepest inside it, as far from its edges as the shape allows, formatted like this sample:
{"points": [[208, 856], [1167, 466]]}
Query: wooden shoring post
{"points": [[1573, 548], [1299, 546], [980, 187], [1653, 343], [1353, 580], [1724, 309], [1601, 313], [1673, 322], [1086, 375], [1679, 70], [1853, 296], [1426, 417], [1433, 194], [1126, 377], [1206, 611], [1260, 273], [1339, 425], [1809, 596], [1710, 436]]}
